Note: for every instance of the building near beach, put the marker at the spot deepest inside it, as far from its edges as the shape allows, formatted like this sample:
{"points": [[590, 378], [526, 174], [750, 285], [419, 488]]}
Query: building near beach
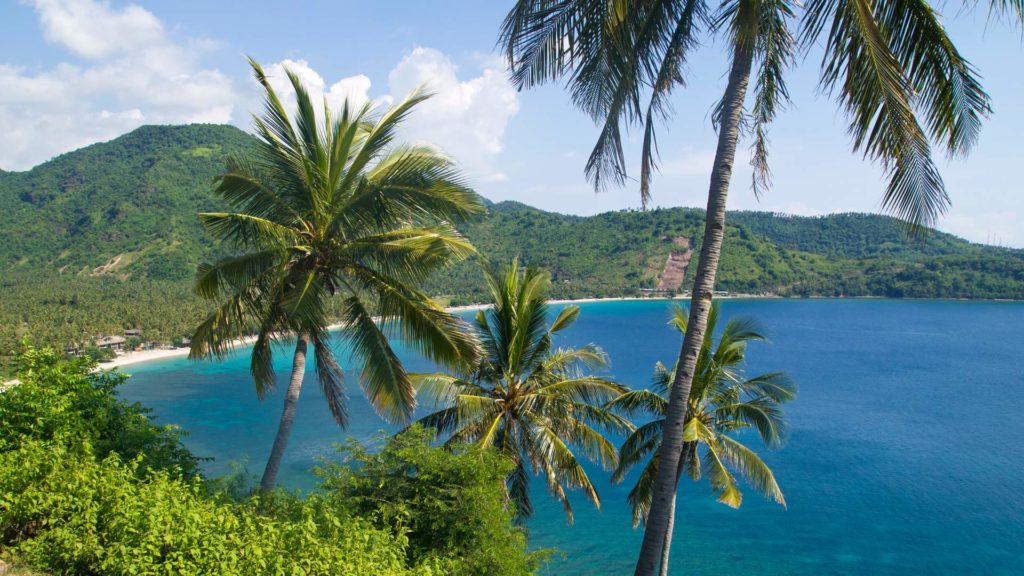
{"points": [[112, 342]]}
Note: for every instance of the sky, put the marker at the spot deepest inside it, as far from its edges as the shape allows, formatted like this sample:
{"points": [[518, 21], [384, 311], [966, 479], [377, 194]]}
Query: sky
{"points": [[75, 72]]}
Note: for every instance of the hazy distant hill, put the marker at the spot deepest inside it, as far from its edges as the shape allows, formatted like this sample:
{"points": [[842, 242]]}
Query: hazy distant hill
{"points": [[106, 237]]}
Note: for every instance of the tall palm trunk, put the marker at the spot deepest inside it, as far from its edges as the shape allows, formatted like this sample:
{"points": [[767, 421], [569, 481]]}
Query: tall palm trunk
{"points": [[667, 546], [665, 481], [284, 428]]}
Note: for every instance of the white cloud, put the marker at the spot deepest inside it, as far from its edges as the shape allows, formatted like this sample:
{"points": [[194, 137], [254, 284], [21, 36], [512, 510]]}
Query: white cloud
{"points": [[124, 69], [93, 30], [354, 89], [132, 74], [464, 118]]}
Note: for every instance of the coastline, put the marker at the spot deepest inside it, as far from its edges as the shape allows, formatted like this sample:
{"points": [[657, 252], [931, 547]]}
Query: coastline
{"points": [[138, 357]]}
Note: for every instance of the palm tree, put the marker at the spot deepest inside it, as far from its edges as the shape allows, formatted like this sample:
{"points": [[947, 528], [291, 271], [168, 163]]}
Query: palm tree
{"points": [[896, 74], [536, 404], [334, 210], [722, 401]]}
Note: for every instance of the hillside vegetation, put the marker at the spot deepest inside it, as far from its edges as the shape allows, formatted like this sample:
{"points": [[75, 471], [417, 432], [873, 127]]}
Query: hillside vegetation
{"points": [[106, 238]]}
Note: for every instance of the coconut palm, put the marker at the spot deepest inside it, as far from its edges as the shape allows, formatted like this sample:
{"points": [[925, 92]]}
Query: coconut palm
{"points": [[722, 402], [893, 69], [334, 214], [537, 404]]}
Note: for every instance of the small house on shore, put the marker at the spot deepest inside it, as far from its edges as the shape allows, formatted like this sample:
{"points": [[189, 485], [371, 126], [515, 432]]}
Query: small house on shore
{"points": [[134, 332], [111, 342]]}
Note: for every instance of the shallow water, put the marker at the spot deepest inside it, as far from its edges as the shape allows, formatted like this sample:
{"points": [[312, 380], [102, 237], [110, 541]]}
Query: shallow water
{"points": [[906, 454]]}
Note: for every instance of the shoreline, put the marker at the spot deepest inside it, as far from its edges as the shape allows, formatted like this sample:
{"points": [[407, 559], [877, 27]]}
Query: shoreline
{"points": [[139, 357]]}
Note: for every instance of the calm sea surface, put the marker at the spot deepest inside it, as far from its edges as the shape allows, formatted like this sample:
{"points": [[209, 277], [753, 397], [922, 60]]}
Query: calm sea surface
{"points": [[906, 454]]}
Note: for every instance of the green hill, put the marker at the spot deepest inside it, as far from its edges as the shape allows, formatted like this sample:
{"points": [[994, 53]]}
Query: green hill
{"points": [[124, 207], [106, 238]]}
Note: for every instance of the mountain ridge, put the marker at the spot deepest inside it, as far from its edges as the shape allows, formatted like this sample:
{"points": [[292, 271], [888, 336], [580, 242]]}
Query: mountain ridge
{"points": [[106, 237]]}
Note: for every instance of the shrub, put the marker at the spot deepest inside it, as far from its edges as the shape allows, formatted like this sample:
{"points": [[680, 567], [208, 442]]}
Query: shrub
{"points": [[66, 401], [76, 515], [89, 486], [449, 504]]}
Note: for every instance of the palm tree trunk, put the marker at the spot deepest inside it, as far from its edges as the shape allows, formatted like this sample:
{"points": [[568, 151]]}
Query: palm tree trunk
{"points": [[667, 546], [703, 290], [284, 428]]}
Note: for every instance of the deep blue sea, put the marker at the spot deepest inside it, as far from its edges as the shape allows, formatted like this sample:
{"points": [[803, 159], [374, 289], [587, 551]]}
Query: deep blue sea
{"points": [[906, 454]]}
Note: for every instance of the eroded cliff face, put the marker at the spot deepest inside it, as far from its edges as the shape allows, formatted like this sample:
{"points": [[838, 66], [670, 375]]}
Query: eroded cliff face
{"points": [[674, 273]]}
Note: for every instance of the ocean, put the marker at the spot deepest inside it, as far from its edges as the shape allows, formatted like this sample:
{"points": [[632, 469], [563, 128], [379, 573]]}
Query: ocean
{"points": [[906, 453]]}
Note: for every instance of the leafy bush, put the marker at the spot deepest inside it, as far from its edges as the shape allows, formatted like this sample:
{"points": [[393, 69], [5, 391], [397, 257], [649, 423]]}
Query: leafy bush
{"points": [[75, 515], [65, 401], [99, 354], [89, 486], [449, 504]]}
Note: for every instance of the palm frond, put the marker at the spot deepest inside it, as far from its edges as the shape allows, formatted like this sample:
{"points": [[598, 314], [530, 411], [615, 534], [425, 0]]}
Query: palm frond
{"points": [[750, 466], [244, 274], [639, 402], [330, 376], [387, 386], [248, 230], [572, 360], [379, 138], [566, 318], [589, 390], [640, 496], [761, 413], [877, 95], [722, 481], [639, 445], [440, 389], [518, 487], [439, 335]]}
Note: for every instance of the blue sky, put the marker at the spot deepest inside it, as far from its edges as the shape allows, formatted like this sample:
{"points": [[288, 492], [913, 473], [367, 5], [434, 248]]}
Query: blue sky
{"points": [[73, 72]]}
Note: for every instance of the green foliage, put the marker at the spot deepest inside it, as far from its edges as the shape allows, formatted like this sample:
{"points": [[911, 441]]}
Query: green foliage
{"points": [[66, 402], [326, 208], [135, 197], [97, 354], [448, 503], [88, 486], [538, 405], [76, 515], [723, 403]]}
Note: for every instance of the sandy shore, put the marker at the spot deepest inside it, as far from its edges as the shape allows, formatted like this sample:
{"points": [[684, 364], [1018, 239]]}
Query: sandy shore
{"points": [[136, 357], [129, 358]]}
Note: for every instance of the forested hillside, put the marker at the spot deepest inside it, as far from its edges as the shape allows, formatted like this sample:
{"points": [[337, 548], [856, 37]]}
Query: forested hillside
{"points": [[124, 207], [106, 238]]}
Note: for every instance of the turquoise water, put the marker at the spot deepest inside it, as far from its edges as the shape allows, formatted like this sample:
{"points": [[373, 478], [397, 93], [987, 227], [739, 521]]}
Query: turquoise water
{"points": [[906, 454]]}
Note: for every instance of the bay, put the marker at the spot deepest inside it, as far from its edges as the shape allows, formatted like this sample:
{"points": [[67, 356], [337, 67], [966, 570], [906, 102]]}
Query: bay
{"points": [[906, 454]]}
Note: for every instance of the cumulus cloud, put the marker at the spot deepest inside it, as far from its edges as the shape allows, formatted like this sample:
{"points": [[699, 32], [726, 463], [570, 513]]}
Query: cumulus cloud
{"points": [[354, 89], [466, 118], [128, 72], [123, 69]]}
